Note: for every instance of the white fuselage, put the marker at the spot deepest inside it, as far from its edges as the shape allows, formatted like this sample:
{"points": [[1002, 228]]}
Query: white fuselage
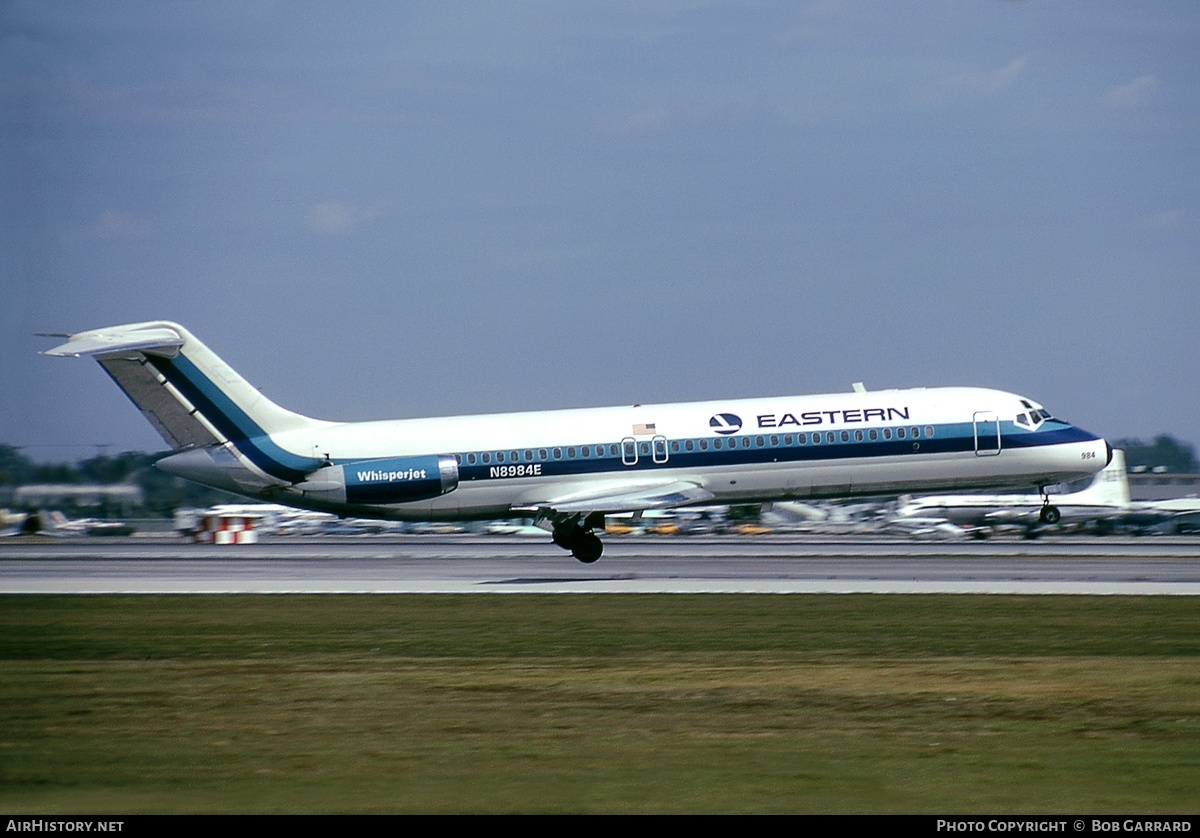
{"points": [[782, 448]]}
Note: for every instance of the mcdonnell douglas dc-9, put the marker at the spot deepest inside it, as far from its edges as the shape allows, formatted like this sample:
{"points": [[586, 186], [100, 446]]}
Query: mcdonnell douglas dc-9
{"points": [[567, 469]]}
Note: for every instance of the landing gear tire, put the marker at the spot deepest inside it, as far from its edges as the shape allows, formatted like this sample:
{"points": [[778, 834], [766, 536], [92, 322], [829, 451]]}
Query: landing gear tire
{"points": [[583, 544], [587, 548], [1049, 514]]}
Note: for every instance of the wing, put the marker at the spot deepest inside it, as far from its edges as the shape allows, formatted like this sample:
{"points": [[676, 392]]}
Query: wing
{"points": [[638, 497]]}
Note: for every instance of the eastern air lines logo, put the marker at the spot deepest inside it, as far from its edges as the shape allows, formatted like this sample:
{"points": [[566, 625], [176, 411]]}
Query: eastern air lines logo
{"points": [[726, 423]]}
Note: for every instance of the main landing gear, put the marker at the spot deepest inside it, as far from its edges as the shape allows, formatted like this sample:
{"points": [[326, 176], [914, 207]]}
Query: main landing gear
{"points": [[1049, 513], [584, 545], [576, 535]]}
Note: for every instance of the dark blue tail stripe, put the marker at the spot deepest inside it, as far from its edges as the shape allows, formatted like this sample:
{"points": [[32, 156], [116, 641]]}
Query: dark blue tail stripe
{"points": [[233, 422]]}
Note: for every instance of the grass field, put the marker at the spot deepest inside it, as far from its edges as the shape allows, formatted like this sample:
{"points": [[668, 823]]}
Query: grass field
{"points": [[571, 703]]}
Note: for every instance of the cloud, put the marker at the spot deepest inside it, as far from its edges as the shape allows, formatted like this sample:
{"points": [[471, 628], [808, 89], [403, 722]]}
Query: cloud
{"points": [[1133, 94], [334, 217]]}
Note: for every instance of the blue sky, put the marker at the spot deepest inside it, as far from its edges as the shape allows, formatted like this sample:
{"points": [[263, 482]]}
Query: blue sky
{"points": [[378, 210]]}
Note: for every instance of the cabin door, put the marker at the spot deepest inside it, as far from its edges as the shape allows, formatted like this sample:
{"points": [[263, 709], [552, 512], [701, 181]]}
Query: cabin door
{"points": [[987, 434]]}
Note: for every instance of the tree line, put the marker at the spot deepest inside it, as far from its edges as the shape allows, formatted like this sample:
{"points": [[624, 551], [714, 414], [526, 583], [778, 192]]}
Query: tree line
{"points": [[162, 493]]}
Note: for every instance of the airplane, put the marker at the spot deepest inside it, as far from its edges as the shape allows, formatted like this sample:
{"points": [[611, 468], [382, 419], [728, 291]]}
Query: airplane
{"points": [[1182, 513], [1105, 500], [567, 469], [18, 523], [54, 523]]}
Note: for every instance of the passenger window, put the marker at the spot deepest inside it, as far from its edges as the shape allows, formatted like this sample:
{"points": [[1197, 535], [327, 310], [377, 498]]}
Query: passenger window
{"points": [[704, 445], [858, 436], [830, 437], [471, 459], [929, 431], [873, 434], [558, 453], [487, 458], [571, 453], [845, 436], [689, 445], [802, 439], [774, 441]]}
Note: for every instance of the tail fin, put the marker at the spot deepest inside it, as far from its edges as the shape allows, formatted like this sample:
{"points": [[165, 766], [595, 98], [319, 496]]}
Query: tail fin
{"points": [[192, 397], [1110, 485]]}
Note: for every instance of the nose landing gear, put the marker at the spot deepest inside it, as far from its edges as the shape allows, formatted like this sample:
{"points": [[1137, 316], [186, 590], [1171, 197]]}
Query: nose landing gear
{"points": [[1049, 513]]}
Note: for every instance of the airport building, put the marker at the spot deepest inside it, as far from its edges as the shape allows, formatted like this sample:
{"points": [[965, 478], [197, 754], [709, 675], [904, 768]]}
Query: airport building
{"points": [[106, 500]]}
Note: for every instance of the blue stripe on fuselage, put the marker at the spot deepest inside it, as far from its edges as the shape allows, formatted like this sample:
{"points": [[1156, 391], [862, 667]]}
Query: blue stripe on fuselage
{"points": [[950, 438], [231, 421]]}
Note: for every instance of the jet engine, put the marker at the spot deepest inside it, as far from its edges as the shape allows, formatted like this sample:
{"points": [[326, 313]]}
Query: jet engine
{"points": [[374, 482]]}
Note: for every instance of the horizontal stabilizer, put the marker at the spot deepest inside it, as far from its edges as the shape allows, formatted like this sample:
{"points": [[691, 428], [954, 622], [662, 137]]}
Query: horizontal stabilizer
{"points": [[156, 340]]}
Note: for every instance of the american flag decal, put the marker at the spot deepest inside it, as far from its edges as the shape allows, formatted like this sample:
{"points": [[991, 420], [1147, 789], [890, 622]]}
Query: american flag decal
{"points": [[643, 429]]}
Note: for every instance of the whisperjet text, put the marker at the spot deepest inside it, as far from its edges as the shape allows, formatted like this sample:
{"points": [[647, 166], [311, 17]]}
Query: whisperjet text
{"points": [[831, 417], [391, 476]]}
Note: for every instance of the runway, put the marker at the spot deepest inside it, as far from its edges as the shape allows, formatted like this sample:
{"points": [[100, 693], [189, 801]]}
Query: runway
{"points": [[497, 564]]}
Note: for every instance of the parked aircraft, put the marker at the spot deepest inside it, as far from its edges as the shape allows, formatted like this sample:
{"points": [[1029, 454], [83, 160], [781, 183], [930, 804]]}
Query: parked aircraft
{"points": [[55, 523], [17, 523], [1104, 500], [569, 468], [1181, 514]]}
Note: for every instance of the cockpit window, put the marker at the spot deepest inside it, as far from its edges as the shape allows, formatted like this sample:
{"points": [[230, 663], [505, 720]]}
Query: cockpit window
{"points": [[1034, 418]]}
